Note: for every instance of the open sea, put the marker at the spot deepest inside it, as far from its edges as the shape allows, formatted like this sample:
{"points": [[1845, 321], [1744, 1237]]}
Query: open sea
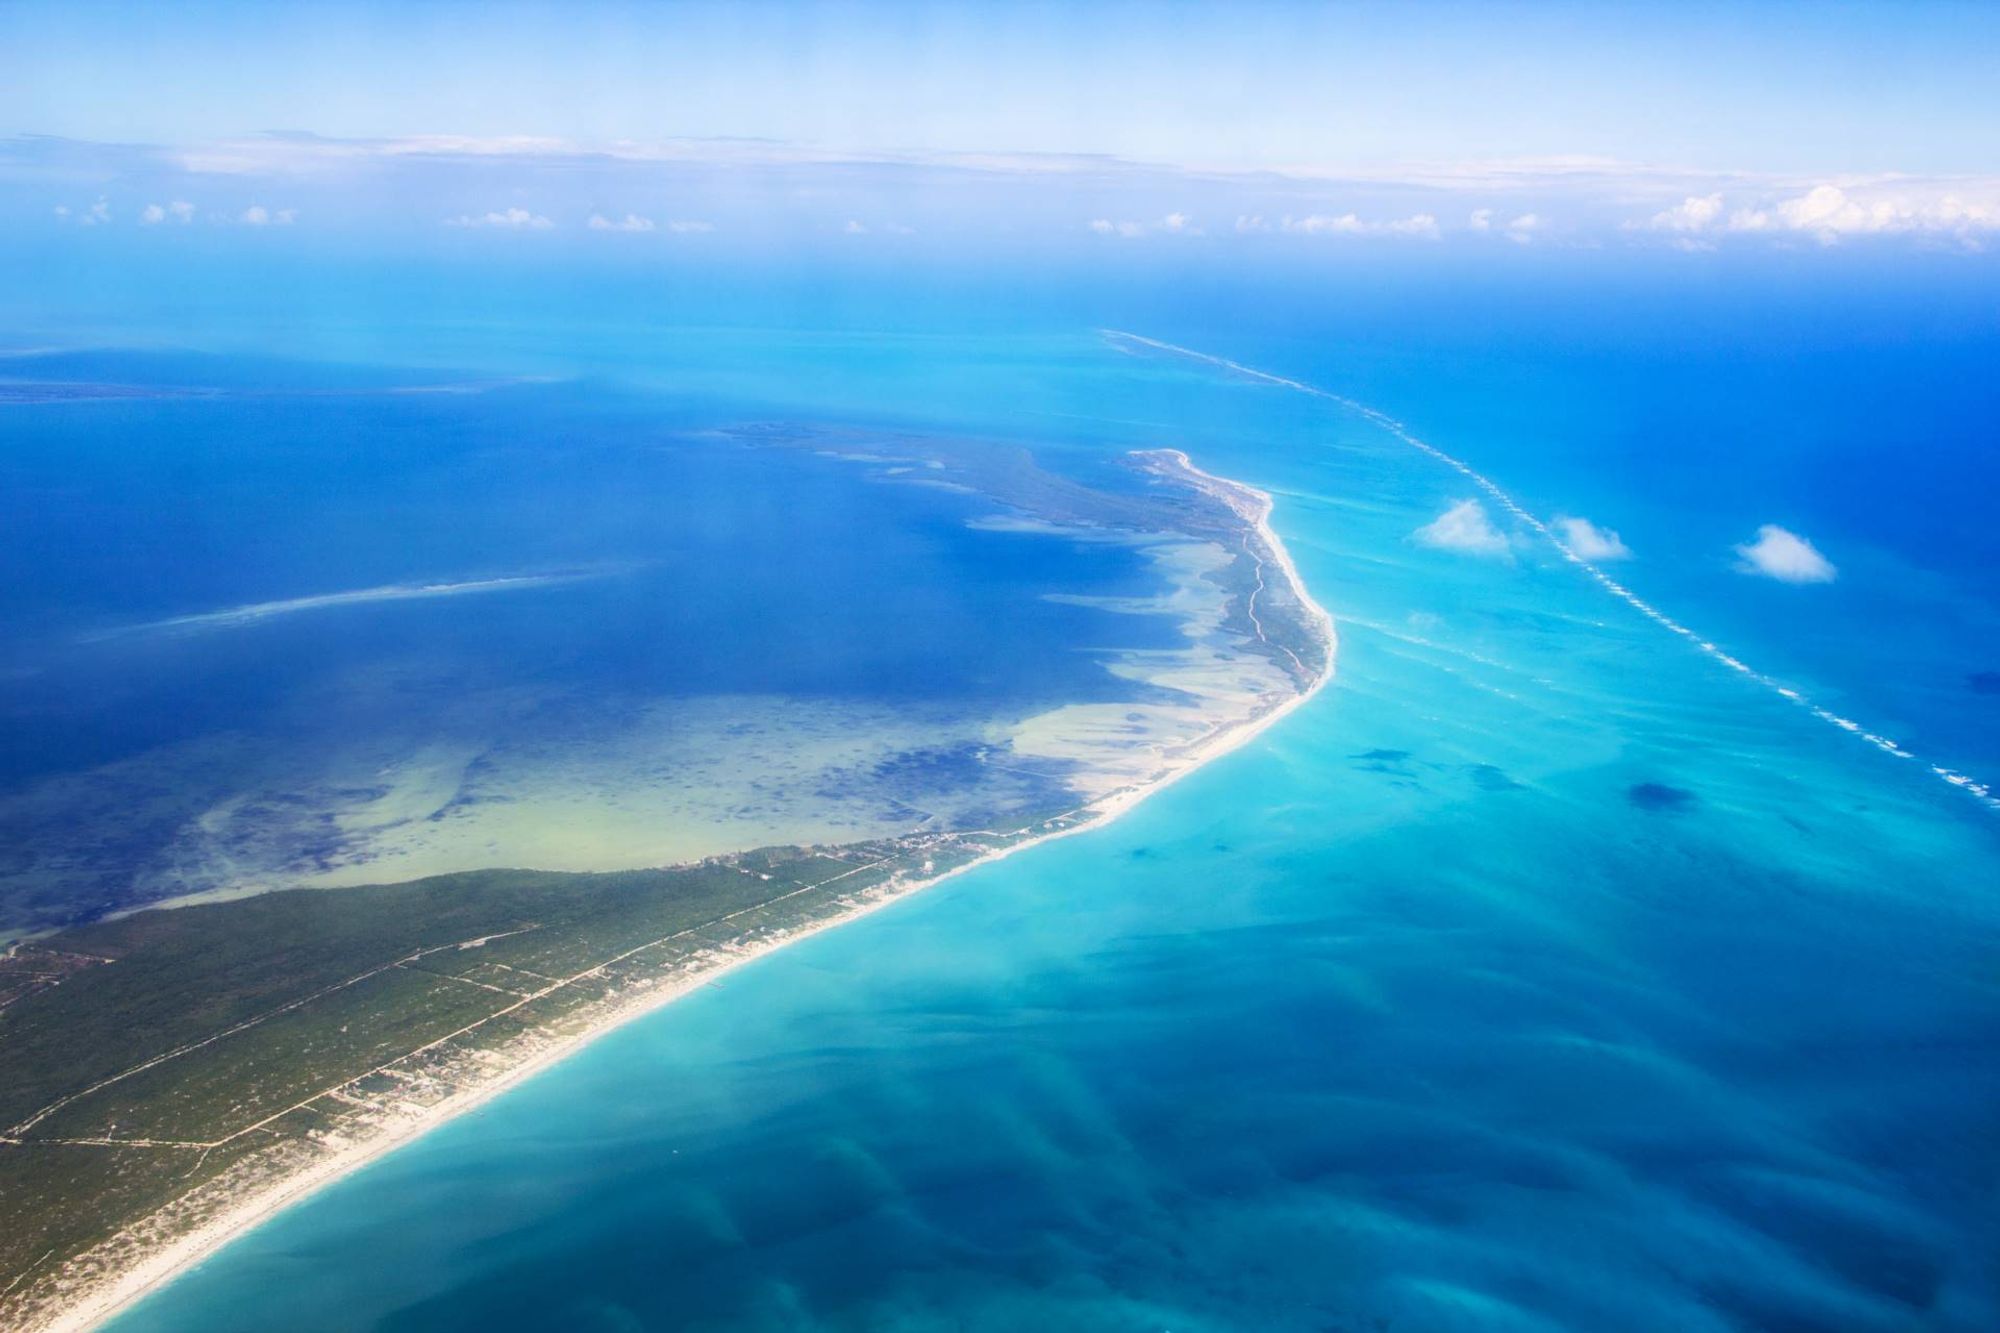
{"points": [[1543, 973]]}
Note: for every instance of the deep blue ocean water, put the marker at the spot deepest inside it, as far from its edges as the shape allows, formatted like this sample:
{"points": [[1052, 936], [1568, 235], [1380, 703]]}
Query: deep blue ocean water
{"points": [[1541, 974]]}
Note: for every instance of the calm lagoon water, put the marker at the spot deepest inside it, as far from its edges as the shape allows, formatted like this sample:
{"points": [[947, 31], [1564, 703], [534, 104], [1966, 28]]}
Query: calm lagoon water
{"points": [[667, 642], [1540, 975]]}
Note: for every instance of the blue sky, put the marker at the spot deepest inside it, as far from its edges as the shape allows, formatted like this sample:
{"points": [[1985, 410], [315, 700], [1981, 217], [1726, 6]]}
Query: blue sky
{"points": [[1682, 123]]}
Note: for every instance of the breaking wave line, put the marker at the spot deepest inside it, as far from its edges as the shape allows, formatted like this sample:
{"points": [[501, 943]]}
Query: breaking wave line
{"points": [[1982, 791]]}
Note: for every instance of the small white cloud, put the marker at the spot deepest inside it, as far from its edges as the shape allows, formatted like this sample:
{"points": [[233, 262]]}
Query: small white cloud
{"points": [[1785, 556], [1481, 220], [1178, 222], [515, 219], [1251, 222], [688, 226], [1522, 229], [630, 222], [1464, 527], [180, 210], [1592, 542], [259, 216], [97, 214], [854, 228], [1695, 213], [1422, 225], [1106, 227]]}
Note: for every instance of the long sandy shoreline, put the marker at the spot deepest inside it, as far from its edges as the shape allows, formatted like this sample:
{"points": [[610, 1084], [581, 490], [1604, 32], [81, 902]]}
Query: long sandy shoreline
{"points": [[95, 1307]]}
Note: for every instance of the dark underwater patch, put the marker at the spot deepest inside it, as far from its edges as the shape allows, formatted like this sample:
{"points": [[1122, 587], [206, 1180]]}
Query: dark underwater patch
{"points": [[1658, 796], [1488, 778], [1395, 762], [1984, 682]]}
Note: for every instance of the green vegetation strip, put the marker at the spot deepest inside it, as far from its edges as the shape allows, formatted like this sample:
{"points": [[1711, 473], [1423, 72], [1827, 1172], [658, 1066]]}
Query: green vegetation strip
{"points": [[142, 1057]]}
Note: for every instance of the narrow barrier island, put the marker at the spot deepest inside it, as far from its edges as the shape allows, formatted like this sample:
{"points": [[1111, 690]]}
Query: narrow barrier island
{"points": [[170, 1078]]}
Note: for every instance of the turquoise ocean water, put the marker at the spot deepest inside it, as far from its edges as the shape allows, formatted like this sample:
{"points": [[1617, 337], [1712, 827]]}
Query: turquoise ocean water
{"points": [[1541, 974]]}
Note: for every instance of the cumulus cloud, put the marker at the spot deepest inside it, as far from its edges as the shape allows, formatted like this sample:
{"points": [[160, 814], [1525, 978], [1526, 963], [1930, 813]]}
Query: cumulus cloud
{"points": [[1249, 222], [1520, 231], [1592, 542], [515, 219], [1422, 225], [1695, 213], [1175, 223], [1464, 527], [259, 216], [153, 215], [96, 215], [1830, 212], [1785, 556], [630, 222]]}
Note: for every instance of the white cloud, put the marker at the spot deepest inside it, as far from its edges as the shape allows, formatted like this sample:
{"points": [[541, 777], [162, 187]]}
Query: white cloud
{"points": [[1695, 213], [1422, 225], [259, 216], [854, 228], [687, 226], [97, 214], [1785, 556], [180, 210], [1175, 223], [630, 222], [1249, 222], [1464, 527], [517, 219], [1592, 542], [1481, 220], [1828, 212], [1522, 229]]}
